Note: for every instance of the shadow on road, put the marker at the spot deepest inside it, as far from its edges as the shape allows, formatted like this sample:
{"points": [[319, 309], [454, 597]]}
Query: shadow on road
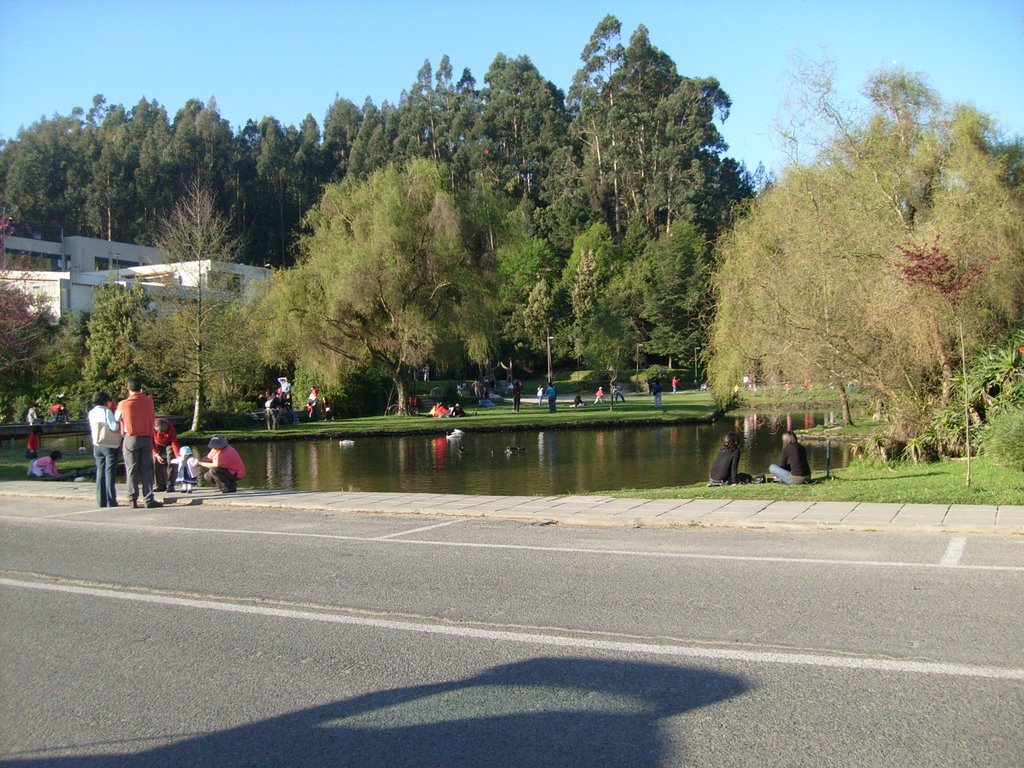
{"points": [[541, 712]]}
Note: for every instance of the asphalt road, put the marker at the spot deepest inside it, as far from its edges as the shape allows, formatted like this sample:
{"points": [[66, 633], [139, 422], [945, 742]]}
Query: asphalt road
{"points": [[205, 637]]}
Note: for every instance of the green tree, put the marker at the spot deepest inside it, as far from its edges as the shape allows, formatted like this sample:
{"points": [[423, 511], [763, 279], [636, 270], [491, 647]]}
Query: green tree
{"points": [[116, 323], [523, 123], [386, 279], [372, 148], [341, 126], [810, 281], [651, 149], [66, 354], [672, 280], [274, 163], [46, 173], [591, 99]]}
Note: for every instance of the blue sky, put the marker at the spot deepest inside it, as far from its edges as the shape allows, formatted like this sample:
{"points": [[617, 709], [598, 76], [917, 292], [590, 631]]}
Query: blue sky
{"points": [[290, 58]]}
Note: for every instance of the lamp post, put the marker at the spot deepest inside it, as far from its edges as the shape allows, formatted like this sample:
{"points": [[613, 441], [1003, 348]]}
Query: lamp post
{"points": [[637, 382], [696, 375], [550, 373]]}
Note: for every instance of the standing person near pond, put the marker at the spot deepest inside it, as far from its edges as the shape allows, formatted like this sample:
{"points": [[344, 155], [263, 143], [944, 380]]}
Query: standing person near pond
{"points": [[225, 465], [103, 426], [656, 391], [32, 444], [792, 468], [137, 415], [165, 451], [271, 402], [517, 395], [312, 403], [552, 394]]}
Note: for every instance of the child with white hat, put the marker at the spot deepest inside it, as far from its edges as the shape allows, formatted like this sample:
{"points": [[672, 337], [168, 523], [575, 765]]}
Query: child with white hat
{"points": [[188, 470]]}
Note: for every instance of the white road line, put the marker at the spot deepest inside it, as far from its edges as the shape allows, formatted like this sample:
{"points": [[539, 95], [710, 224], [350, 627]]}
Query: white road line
{"points": [[416, 530], [72, 514], [860, 663], [516, 547], [954, 552]]}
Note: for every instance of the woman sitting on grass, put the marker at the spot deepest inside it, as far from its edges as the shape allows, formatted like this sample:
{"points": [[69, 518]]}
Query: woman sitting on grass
{"points": [[725, 469], [792, 468]]}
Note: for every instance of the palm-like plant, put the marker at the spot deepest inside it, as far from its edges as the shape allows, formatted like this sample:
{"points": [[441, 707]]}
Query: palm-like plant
{"points": [[997, 374]]}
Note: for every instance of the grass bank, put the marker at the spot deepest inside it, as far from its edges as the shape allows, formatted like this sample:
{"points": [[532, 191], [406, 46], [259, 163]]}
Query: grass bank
{"points": [[638, 410], [942, 482]]}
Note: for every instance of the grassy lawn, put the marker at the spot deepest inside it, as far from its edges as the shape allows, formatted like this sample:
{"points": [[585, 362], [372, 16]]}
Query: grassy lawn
{"points": [[637, 410], [14, 465], [939, 483]]}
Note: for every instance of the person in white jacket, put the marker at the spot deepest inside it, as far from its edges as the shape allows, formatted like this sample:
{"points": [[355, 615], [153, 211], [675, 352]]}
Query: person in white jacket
{"points": [[106, 441]]}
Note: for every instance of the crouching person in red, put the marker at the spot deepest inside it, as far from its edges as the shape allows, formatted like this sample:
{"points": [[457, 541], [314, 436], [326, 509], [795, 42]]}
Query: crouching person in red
{"points": [[225, 465]]}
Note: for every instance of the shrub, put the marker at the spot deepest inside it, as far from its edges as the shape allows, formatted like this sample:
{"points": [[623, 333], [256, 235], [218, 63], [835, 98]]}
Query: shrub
{"points": [[583, 376], [1003, 439], [217, 421]]}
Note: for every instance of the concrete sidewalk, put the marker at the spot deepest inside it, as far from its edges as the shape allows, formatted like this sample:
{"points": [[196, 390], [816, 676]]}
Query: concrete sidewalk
{"points": [[578, 510]]}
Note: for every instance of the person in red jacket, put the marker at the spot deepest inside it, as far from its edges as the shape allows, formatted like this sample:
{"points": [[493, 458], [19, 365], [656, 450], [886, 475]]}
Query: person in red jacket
{"points": [[165, 451], [32, 445]]}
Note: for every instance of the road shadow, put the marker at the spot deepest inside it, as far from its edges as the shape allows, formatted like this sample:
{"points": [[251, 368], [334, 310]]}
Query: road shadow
{"points": [[540, 712]]}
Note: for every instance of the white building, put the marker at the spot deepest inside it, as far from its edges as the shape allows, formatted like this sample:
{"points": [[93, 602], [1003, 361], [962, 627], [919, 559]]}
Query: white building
{"points": [[63, 274]]}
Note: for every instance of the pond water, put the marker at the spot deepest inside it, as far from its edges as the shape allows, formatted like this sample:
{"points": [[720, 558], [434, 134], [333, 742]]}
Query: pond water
{"points": [[546, 463]]}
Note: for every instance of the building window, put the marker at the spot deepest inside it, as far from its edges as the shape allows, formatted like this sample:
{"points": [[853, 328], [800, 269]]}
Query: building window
{"points": [[225, 281]]}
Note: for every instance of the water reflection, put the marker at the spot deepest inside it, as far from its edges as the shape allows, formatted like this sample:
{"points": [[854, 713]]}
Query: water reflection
{"points": [[540, 463]]}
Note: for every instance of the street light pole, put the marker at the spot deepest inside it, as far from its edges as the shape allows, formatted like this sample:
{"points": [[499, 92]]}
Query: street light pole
{"points": [[696, 374], [550, 374], [636, 384]]}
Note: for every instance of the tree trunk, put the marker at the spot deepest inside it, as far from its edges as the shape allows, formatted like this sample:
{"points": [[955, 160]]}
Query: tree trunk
{"points": [[403, 381], [845, 400], [944, 361], [197, 406], [196, 410], [967, 402], [402, 406]]}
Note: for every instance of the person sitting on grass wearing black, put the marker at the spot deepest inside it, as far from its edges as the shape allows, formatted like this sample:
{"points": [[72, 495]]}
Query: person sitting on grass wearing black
{"points": [[792, 468], [725, 469], [225, 465]]}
